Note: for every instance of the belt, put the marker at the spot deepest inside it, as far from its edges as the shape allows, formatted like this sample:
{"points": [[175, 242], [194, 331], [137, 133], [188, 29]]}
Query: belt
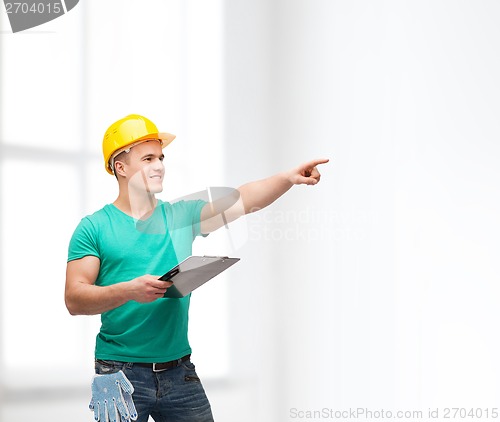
{"points": [[163, 366]]}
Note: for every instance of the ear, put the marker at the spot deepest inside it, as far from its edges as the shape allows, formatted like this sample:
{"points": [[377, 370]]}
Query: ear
{"points": [[120, 168]]}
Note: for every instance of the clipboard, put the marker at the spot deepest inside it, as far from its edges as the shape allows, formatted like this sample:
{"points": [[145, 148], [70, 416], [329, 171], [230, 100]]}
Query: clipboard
{"points": [[193, 272]]}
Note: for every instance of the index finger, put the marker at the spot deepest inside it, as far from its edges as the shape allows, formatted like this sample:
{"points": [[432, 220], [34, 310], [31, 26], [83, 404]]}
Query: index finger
{"points": [[314, 163]]}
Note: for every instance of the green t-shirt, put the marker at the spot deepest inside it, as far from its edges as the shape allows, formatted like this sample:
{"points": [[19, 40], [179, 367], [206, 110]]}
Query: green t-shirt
{"points": [[128, 248]]}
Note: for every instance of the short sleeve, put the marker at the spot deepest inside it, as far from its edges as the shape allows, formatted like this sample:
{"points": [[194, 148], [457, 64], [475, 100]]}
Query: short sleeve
{"points": [[197, 206], [84, 241]]}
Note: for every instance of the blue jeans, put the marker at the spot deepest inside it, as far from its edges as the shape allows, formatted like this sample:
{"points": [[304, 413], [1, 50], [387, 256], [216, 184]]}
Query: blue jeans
{"points": [[174, 395]]}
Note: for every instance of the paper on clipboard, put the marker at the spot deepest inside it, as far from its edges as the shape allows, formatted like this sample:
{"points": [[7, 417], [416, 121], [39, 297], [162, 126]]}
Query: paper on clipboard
{"points": [[193, 272]]}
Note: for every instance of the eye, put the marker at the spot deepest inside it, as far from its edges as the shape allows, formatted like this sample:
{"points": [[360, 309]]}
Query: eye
{"points": [[162, 157]]}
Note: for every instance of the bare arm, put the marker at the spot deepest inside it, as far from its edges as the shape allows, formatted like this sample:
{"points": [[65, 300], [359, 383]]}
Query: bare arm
{"points": [[83, 297], [257, 195]]}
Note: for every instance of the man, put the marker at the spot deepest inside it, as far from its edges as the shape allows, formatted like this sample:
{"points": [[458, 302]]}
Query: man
{"points": [[142, 351]]}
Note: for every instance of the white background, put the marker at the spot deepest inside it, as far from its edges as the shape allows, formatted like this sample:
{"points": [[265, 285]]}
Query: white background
{"points": [[376, 289]]}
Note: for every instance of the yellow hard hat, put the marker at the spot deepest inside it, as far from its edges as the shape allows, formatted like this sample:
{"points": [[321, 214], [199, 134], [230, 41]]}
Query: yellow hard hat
{"points": [[128, 132]]}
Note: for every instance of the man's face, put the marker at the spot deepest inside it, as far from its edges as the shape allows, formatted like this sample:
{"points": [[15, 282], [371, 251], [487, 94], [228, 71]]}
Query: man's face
{"points": [[144, 168]]}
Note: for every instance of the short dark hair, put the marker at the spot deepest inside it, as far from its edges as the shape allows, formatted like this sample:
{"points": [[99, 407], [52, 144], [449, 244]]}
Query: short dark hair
{"points": [[122, 156]]}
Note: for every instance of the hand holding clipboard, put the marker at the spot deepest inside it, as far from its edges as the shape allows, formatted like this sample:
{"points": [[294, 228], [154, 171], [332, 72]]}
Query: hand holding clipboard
{"points": [[193, 272]]}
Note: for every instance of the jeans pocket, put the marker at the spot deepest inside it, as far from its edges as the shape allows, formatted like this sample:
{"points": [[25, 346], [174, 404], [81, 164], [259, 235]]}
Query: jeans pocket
{"points": [[190, 374], [103, 367], [191, 378], [188, 365]]}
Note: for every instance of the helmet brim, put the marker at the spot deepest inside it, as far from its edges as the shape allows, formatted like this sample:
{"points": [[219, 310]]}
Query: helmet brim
{"points": [[164, 137]]}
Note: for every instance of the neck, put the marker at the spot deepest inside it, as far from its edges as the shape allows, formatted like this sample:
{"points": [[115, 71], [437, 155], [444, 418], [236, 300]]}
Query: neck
{"points": [[138, 205]]}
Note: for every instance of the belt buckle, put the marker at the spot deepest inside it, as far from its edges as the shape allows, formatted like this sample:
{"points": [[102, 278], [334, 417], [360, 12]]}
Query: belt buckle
{"points": [[158, 370]]}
